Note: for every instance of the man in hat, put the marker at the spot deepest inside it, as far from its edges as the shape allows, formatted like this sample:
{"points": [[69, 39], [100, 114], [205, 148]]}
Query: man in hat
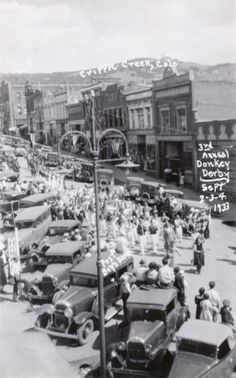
{"points": [[226, 316]]}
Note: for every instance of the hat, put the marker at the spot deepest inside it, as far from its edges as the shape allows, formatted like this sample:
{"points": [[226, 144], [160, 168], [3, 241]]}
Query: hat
{"points": [[226, 302], [142, 262]]}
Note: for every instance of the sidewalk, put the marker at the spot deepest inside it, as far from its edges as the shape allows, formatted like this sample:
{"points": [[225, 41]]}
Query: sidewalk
{"points": [[120, 178]]}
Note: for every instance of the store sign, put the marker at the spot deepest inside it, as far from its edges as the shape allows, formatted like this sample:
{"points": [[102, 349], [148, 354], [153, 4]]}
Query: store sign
{"points": [[172, 92], [150, 139], [132, 139]]}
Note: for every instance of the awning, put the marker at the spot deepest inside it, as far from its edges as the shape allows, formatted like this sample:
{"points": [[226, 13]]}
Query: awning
{"points": [[23, 126]]}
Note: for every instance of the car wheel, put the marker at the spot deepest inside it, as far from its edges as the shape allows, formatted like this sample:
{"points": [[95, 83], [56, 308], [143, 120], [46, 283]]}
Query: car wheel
{"points": [[85, 331]]}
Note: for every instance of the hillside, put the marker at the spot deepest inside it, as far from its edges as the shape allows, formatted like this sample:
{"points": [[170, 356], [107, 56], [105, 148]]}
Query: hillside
{"points": [[139, 70]]}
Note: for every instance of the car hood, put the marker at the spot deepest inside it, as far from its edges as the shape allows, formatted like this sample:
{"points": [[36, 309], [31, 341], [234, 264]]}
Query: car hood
{"points": [[76, 295], [187, 365], [142, 330], [56, 269]]}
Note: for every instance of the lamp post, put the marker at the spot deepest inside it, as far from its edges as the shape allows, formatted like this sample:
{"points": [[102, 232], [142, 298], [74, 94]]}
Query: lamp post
{"points": [[113, 138]]}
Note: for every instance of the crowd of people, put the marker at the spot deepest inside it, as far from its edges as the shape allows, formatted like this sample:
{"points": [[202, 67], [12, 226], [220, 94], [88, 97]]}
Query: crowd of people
{"points": [[138, 227]]}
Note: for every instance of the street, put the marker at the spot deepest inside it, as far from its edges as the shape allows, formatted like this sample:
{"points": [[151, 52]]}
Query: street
{"points": [[220, 265]]}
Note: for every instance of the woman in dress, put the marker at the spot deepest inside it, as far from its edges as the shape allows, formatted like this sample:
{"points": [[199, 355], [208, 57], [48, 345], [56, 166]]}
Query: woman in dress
{"points": [[198, 252]]}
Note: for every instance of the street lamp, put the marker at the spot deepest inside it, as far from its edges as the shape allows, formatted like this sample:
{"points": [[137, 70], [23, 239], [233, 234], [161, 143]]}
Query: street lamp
{"points": [[114, 139]]}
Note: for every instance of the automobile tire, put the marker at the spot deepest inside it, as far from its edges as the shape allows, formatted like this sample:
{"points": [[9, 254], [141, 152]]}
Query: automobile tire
{"points": [[85, 331]]}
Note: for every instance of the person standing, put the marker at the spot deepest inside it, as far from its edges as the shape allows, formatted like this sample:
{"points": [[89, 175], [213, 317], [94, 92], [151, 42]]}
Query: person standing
{"points": [[178, 228], [226, 316], [215, 300], [180, 286], [206, 308], [141, 230], [198, 252], [153, 234], [3, 276], [198, 299]]}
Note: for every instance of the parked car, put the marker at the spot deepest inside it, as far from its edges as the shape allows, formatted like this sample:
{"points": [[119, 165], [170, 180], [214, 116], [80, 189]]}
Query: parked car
{"points": [[154, 316], [75, 312], [54, 235], [204, 349], [32, 224], [133, 186], [9, 176], [20, 151], [10, 201], [61, 257], [37, 199], [174, 192]]}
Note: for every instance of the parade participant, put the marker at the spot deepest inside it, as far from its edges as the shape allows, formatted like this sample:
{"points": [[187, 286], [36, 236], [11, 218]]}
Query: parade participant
{"points": [[206, 308], [215, 300], [198, 298], [164, 218], [180, 285], [178, 228], [226, 315], [152, 273], [141, 233], [125, 290], [169, 240], [3, 276], [198, 252], [153, 233], [140, 273], [166, 274]]}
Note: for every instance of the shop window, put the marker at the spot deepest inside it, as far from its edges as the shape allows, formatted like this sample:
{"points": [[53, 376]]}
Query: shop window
{"points": [[63, 129], [132, 121], [18, 96], [19, 110], [148, 112], [110, 118], [165, 121], [140, 114], [121, 118], [115, 118], [181, 119]]}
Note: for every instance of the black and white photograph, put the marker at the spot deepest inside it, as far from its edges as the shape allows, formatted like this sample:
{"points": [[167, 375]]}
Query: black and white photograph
{"points": [[117, 188]]}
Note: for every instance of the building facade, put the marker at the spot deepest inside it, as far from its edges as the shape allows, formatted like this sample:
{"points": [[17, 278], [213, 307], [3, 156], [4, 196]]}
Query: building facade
{"points": [[13, 104], [141, 131], [174, 121]]}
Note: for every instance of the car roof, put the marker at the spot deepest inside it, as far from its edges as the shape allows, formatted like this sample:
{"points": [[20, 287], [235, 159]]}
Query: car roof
{"points": [[173, 191], [205, 332], [132, 178], [12, 193], [151, 183], [65, 248], [30, 213], [38, 197], [189, 203], [89, 265], [5, 175], [103, 170], [153, 296], [69, 223]]}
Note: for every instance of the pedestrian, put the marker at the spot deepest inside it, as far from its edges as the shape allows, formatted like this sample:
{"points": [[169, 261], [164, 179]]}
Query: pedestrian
{"points": [[226, 315], [215, 300], [3, 276], [198, 298], [166, 274], [198, 252], [206, 308], [125, 290], [169, 241], [178, 224], [180, 285]]}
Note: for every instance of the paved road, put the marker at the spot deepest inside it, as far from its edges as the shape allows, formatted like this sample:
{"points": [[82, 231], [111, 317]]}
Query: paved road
{"points": [[220, 266]]}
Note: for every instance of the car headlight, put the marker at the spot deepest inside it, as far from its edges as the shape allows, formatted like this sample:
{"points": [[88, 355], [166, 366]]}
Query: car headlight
{"points": [[54, 281], [148, 349], [68, 312]]}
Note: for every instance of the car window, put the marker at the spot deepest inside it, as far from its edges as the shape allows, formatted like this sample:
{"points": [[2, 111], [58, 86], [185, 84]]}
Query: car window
{"points": [[170, 307], [58, 259], [109, 279], [223, 350], [192, 346], [145, 314], [22, 225], [76, 279]]}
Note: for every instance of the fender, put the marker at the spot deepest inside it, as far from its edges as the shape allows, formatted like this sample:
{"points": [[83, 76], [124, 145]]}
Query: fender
{"points": [[45, 309], [184, 315], [35, 288], [81, 318]]}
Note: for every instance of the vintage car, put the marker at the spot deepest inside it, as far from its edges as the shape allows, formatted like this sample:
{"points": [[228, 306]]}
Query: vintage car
{"points": [[187, 205], [154, 316], [61, 257], [20, 151], [37, 199], [10, 201], [133, 186], [75, 311], [105, 178], [54, 235], [32, 224], [9, 176], [149, 191], [204, 349]]}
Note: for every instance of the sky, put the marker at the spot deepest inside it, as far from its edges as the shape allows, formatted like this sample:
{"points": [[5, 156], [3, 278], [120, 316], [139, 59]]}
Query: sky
{"points": [[72, 35]]}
